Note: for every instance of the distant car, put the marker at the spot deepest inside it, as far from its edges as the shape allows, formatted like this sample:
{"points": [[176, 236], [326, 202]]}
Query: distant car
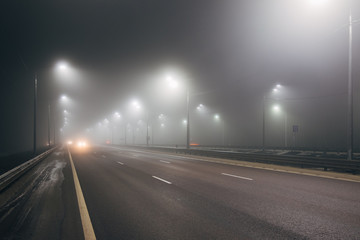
{"points": [[81, 144]]}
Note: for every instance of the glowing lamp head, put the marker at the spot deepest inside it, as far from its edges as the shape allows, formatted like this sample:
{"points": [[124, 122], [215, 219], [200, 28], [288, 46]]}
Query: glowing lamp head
{"points": [[64, 99], [62, 66], [173, 84], [200, 107], [276, 108], [136, 105]]}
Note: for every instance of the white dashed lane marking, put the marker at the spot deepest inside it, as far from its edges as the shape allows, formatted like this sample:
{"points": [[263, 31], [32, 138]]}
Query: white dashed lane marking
{"points": [[235, 176], [160, 179], [164, 161]]}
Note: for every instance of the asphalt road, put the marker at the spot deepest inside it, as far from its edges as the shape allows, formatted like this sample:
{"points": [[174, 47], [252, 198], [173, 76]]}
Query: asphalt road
{"points": [[133, 194]]}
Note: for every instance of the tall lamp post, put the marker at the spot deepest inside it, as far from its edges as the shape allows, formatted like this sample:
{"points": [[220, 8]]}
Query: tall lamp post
{"points": [[350, 137], [276, 89], [147, 128], [263, 126], [133, 106], [61, 66], [35, 111], [217, 118], [174, 84], [350, 86], [278, 109], [49, 125], [188, 119]]}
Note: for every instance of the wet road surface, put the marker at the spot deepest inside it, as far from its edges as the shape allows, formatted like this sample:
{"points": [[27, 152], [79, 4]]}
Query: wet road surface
{"points": [[135, 194]]}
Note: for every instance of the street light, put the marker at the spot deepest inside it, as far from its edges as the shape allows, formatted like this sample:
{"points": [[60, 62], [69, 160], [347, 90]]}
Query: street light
{"points": [[35, 111], [350, 94], [137, 106], [201, 107], [275, 90], [60, 109], [61, 66], [350, 137], [133, 106], [276, 108], [115, 117], [188, 119], [64, 98], [218, 119], [172, 83]]}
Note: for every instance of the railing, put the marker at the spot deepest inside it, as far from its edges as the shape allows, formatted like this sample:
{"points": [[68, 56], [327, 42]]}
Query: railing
{"points": [[333, 164], [9, 177]]}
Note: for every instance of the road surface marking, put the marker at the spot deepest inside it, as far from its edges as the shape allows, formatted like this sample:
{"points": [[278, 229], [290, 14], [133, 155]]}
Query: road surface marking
{"points": [[235, 176], [120, 163], [161, 179], [89, 233], [243, 164], [103, 156], [164, 161]]}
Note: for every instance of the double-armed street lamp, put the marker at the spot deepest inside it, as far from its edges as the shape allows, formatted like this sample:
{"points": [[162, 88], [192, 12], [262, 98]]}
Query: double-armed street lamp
{"points": [[65, 103], [275, 90], [203, 109]]}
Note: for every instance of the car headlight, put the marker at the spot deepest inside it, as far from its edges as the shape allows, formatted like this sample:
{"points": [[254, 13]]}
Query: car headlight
{"points": [[81, 144]]}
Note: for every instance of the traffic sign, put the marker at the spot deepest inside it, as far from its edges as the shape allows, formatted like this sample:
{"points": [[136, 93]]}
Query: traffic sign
{"points": [[295, 128]]}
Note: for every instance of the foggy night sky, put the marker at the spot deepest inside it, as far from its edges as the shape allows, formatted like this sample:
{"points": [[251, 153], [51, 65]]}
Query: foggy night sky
{"points": [[230, 52]]}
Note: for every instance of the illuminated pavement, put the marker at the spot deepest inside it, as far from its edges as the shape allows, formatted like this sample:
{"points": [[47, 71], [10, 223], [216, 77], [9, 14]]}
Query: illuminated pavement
{"points": [[133, 194]]}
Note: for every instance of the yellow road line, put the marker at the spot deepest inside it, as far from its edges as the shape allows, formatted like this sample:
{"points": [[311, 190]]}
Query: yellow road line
{"points": [[89, 233]]}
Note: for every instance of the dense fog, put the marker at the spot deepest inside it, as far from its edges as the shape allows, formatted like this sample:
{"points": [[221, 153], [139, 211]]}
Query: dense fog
{"points": [[128, 67]]}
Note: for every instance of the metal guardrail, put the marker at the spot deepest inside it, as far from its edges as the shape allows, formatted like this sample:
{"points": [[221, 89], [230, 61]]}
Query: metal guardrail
{"points": [[9, 177], [343, 165]]}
